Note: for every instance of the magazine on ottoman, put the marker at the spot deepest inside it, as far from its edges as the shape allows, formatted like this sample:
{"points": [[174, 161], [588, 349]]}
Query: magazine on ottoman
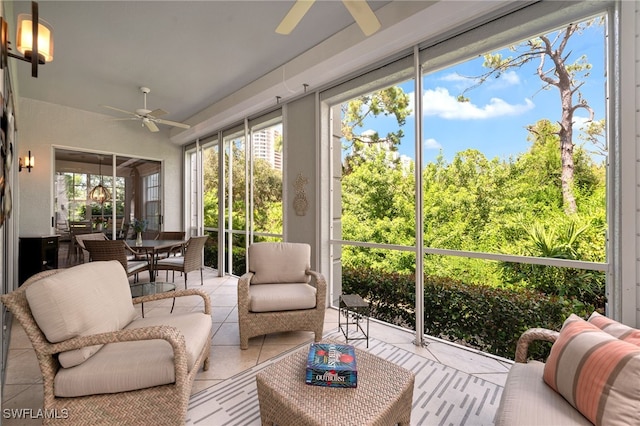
{"points": [[333, 365]]}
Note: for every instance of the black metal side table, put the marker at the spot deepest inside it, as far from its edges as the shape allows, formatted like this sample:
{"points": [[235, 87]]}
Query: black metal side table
{"points": [[353, 310]]}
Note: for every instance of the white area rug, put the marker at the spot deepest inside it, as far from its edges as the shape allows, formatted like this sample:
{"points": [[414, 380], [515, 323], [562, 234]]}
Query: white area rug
{"points": [[442, 395]]}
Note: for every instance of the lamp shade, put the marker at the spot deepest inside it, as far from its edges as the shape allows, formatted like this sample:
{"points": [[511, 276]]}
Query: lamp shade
{"points": [[100, 194], [29, 161], [24, 38]]}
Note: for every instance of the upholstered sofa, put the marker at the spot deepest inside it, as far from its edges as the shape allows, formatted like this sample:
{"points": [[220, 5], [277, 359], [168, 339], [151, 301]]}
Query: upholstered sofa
{"points": [[101, 362], [591, 376]]}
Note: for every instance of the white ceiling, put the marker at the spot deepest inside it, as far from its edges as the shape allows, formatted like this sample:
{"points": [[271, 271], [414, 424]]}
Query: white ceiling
{"points": [[190, 53], [193, 54]]}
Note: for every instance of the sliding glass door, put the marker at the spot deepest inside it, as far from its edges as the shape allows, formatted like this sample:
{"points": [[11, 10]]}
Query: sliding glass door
{"points": [[103, 192]]}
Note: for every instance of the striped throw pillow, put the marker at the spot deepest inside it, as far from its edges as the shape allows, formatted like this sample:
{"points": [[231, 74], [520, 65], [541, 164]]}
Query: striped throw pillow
{"points": [[596, 373], [616, 329]]}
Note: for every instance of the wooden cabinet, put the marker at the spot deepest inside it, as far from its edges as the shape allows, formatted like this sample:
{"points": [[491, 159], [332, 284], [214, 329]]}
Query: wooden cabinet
{"points": [[37, 254]]}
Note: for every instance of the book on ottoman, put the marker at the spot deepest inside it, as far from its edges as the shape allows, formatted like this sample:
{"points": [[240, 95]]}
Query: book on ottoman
{"points": [[332, 364]]}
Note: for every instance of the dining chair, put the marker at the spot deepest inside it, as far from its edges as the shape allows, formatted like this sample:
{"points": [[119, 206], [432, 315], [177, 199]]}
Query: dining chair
{"points": [[76, 228], [170, 235], [118, 250], [81, 238], [191, 260]]}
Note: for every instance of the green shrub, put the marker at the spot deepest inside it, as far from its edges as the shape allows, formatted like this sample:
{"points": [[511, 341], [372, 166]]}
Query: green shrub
{"points": [[482, 317]]}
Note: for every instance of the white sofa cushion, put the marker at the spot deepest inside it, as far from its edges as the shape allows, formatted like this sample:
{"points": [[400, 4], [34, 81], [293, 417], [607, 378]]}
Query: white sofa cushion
{"points": [[279, 262], [527, 400], [86, 299], [120, 367], [281, 297]]}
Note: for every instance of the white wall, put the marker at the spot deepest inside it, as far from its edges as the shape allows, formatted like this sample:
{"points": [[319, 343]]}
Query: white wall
{"points": [[300, 154], [41, 125]]}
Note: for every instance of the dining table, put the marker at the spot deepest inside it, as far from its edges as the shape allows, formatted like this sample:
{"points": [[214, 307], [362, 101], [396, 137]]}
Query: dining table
{"points": [[152, 248]]}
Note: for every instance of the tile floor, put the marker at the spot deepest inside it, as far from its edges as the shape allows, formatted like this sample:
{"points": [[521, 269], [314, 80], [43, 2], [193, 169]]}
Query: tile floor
{"points": [[23, 382]]}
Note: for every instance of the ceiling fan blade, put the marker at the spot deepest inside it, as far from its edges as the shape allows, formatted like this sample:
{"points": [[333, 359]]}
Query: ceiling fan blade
{"points": [[291, 20], [150, 125], [172, 123], [363, 15], [157, 112], [118, 109]]}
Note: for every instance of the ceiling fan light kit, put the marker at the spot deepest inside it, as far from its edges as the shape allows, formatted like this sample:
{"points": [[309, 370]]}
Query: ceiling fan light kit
{"points": [[147, 117], [359, 9]]}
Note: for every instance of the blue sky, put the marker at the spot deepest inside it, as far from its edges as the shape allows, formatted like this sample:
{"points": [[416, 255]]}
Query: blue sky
{"points": [[495, 119]]}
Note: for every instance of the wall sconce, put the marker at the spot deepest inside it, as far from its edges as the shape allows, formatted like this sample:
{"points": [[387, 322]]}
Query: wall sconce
{"points": [[27, 163], [29, 38]]}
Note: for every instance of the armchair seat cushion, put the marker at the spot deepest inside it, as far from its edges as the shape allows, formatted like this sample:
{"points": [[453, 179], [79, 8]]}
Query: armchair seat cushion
{"points": [[281, 297], [126, 366]]}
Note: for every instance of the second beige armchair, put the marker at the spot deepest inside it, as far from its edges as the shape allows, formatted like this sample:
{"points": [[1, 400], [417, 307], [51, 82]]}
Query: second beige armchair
{"points": [[280, 292]]}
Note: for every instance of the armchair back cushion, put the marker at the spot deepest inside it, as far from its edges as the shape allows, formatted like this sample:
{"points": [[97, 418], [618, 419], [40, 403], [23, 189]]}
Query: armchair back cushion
{"points": [[279, 263], [93, 298]]}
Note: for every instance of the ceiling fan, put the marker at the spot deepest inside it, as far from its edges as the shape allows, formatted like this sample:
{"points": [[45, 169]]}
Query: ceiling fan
{"points": [[359, 9], [148, 117]]}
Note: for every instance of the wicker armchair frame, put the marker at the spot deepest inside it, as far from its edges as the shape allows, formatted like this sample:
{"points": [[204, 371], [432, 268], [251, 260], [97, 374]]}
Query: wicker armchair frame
{"points": [[258, 323], [531, 335], [158, 405], [190, 261]]}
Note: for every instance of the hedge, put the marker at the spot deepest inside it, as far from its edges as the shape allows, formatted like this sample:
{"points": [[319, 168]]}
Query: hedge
{"points": [[482, 317]]}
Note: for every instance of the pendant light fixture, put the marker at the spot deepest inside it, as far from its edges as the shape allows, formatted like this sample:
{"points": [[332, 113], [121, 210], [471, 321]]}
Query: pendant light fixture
{"points": [[100, 194]]}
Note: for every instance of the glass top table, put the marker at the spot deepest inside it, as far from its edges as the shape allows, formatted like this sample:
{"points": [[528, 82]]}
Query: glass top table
{"points": [[153, 247], [145, 289]]}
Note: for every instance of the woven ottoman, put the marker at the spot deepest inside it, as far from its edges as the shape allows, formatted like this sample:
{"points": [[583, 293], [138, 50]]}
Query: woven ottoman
{"points": [[383, 397]]}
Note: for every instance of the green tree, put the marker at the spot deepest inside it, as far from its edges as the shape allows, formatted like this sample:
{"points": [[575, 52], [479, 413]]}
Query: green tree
{"points": [[267, 191], [391, 101], [377, 190], [378, 206], [567, 77]]}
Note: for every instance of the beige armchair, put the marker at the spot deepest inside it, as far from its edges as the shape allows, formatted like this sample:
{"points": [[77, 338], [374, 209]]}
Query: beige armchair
{"points": [[101, 363], [277, 293]]}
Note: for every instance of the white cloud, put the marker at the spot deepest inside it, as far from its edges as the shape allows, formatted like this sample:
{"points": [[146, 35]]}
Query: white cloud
{"points": [[579, 122], [441, 103], [509, 78], [454, 76], [431, 143]]}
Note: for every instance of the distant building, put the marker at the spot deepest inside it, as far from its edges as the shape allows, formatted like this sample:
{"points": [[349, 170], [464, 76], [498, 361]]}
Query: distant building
{"points": [[264, 142]]}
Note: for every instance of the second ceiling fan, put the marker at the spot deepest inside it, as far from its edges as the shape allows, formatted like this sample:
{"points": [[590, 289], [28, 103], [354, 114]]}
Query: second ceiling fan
{"points": [[148, 117], [359, 9]]}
